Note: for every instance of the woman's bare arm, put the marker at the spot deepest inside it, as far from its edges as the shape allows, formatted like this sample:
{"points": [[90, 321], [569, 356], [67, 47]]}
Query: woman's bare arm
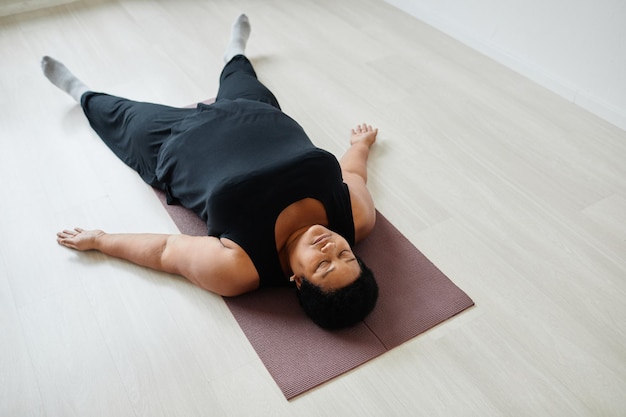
{"points": [[354, 169], [355, 159], [217, 265]]}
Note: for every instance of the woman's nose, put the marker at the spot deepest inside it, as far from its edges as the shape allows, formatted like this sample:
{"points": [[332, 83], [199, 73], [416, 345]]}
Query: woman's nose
{"points": [[327, 246]]}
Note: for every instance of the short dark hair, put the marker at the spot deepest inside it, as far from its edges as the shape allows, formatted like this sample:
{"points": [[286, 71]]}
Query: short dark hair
{"points": [[340, 307]]}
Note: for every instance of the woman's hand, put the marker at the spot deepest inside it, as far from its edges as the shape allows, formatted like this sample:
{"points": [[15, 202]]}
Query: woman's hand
{"points": [[363, 133], [79, 239]]}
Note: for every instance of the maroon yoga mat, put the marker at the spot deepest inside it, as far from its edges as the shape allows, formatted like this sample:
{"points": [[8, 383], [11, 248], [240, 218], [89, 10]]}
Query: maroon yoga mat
{"points": [[413, 297]]}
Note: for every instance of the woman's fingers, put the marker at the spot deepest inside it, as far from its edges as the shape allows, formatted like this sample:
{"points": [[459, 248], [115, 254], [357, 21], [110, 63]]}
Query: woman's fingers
{"points": [[66, 237], [67, 233], [362, 128], [364, 133]]}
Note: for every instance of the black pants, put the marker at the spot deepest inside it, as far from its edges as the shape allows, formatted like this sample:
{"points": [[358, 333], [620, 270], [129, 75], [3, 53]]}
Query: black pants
{"points": [[135, 131], [238, 80]]}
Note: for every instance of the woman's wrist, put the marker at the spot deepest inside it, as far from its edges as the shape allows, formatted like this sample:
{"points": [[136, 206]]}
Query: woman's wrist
{"points": [[98, 240], [358, 145]]}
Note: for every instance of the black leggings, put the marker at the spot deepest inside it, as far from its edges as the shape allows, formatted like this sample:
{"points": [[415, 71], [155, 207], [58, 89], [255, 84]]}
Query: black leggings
{"points": [[135, 131]]}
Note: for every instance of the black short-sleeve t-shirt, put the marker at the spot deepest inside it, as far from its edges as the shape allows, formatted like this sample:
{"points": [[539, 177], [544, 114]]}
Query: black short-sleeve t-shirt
{"points": [[238, 164]]}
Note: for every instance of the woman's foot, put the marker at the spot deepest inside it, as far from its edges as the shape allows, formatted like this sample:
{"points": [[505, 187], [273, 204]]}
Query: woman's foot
{"points": [[238, 38], [59, 75]]}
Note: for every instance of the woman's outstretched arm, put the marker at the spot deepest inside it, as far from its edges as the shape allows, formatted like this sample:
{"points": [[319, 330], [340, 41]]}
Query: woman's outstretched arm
{"points": [[141, 249], [217, 265], [354, 169], [355, 159]]}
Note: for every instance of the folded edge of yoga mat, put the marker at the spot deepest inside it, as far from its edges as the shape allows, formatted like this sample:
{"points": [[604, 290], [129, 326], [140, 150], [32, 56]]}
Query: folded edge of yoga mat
{"points": [[414, 297]]}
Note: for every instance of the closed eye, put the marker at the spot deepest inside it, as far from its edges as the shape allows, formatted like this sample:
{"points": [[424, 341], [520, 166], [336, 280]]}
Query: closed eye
{"points": [[347, 255], [321, 264]]}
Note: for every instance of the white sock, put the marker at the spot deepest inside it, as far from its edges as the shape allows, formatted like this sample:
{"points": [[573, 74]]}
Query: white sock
{"points": [[59, 75], [238, 38]]}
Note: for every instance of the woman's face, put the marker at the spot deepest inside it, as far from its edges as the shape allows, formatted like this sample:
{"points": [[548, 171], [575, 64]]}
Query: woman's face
{"points": [[324, 258]]}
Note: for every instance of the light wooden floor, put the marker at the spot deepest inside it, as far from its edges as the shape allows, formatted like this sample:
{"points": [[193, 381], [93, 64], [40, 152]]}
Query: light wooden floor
{"points": [[516, 194]]}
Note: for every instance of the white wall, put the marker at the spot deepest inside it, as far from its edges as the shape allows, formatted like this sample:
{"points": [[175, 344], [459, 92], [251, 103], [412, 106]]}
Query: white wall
{"points": [[576, 48], [9, 7]]}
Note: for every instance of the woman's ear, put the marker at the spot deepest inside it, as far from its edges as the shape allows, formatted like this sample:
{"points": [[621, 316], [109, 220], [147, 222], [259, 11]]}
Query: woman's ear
{"points": [[296, 279]]}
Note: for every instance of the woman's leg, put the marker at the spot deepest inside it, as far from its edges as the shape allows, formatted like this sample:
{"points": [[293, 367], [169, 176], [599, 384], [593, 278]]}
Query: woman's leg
{"points": [[239, 35], [59, 75], [238, 79], [134, 131]]}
